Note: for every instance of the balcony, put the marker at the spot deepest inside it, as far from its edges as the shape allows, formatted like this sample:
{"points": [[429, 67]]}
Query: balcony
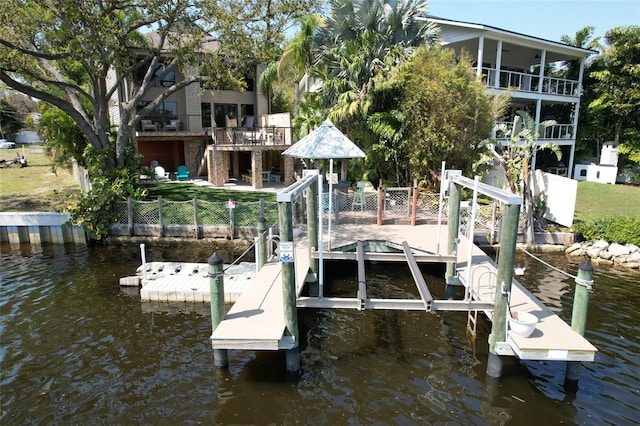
{"points": [[171, 127], [528, 82], [271, 135], [553, 133]]}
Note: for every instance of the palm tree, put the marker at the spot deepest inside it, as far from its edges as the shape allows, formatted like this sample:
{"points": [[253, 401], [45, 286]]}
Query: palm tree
{"points": [[583, 39], [515, 157], [361, 39]]}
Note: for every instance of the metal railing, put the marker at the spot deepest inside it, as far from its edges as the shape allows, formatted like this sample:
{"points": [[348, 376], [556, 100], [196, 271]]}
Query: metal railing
{"points": [[527, 82], [556, 131]]}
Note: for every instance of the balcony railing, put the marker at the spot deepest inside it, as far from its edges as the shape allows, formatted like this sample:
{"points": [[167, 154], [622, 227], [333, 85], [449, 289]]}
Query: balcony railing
{"points": [[557, 131], [271, 135], [527, 82]]}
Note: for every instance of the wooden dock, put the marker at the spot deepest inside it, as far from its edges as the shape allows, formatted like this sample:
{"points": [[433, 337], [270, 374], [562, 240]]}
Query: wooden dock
{"points": [[256, 320]]}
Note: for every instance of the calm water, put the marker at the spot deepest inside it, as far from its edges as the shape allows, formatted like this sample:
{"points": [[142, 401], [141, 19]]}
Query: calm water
{"points": [[78, 350]]}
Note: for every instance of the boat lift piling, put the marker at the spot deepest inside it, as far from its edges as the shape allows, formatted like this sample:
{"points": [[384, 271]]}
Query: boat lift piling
{"points": [[216, 284], [508, 240], [584, 282]]}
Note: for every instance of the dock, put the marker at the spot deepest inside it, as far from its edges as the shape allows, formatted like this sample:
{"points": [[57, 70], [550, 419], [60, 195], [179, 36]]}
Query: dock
{"points": [[256, 320], [184, 282]]}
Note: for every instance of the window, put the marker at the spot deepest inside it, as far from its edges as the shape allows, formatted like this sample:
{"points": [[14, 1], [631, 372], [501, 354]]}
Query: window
{"points": [[166, 77], [205, 111], [226, 115]]}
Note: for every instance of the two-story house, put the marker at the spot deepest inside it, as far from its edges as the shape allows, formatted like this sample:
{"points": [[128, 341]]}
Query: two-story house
{"points": [[224, 135], [523, 64]]}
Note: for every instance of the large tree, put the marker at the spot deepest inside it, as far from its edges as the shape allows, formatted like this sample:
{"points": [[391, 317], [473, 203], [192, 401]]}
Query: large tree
{"points": [[614, 96], [63, 51], [445, 112]]}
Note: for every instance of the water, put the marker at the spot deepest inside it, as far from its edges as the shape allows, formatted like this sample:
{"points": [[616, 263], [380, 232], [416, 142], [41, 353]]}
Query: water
{"points": [[76, 349]]}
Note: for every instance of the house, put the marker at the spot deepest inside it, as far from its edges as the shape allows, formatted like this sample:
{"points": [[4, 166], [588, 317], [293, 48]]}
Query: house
{"points": [[223, 135], [523, 64]]}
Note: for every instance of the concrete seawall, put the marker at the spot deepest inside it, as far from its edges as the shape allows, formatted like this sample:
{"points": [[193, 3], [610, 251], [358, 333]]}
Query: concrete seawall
{"points": [[39, 227]]}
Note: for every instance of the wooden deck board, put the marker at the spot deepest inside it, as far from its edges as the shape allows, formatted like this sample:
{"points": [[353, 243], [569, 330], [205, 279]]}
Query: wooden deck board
{"points": [[256, 320], [552, 339]]}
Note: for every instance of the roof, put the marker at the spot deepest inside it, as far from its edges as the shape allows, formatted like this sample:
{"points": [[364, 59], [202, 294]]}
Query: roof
{"points": [[511, 35], [325, 142]]}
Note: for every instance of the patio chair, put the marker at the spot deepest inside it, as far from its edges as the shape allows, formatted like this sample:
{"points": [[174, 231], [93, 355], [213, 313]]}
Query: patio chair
{"points": [[149, 125], [174, 125], [182, 173], [161, 173], [358, 197]]}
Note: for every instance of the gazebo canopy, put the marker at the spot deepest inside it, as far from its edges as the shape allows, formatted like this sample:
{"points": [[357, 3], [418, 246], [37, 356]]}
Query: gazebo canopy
{"points": [[325, 142]]}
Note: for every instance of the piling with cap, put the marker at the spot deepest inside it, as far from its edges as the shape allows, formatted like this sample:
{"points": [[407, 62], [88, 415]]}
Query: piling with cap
{"points": [[289, 288], [584, 282], [216, 286], [453, 227], [508, 240]]}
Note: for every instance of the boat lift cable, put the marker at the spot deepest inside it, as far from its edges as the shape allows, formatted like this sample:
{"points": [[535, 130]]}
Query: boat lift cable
{"points": [[588, 284]]}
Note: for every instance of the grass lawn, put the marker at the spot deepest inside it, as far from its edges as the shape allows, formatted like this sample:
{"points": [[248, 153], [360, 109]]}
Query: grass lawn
{"points": [[175, 191], [598, 200], [35, 187]]}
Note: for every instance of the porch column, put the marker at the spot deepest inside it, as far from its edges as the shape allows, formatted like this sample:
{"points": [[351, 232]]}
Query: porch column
{"points": [[480, 57], [576, 113], [235, 164], [256, 169], [543, 59], [289, 176], [216, 167], [498, 63]]}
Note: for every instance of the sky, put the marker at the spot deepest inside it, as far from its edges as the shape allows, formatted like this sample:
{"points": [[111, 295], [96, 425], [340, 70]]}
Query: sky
{"points": [[541, 18]]}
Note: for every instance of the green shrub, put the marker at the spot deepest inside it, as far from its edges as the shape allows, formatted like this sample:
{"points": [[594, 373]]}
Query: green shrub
{"points": [[619, 229]]}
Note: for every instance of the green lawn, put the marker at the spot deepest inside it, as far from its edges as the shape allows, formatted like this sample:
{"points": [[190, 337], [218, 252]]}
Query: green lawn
{"points": [[175, 191], [598, 200], [36, 187]]}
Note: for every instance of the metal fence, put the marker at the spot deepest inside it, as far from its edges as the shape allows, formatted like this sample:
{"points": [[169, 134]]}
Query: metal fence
{"points": [[189, 218], [198, 218]]}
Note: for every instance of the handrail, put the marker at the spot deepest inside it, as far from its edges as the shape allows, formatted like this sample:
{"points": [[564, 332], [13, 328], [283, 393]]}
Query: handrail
{"points": [[527, 82]]}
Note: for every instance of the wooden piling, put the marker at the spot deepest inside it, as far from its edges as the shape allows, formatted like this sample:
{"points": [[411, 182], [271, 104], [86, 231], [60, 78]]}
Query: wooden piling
{"points": [[508, 240], [584, 281], [216, 285], [289, 288], [453, 220]]}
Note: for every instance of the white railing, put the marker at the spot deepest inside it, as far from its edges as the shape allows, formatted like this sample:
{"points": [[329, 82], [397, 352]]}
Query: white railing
{"points": [[557, 131], [526, 82]]}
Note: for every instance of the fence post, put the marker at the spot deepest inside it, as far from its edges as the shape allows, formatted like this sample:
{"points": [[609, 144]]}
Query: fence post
{"points": [[196, 227], [232, 222], [380, 201], [414, 207], [130, 216], [262, 238], [160, 218]]}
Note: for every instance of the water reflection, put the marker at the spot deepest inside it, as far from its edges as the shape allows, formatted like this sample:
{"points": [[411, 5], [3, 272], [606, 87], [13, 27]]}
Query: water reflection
{"points": [[78, 349]]}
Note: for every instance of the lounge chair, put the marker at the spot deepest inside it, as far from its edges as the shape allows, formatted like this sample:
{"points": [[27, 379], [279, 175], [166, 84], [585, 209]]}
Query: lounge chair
{"points": [[161, 173], [182, 173]]}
